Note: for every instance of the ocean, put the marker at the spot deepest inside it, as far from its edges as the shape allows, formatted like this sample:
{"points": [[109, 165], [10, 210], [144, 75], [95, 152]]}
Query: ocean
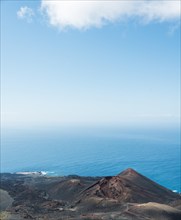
{"points": [[154, 153]]}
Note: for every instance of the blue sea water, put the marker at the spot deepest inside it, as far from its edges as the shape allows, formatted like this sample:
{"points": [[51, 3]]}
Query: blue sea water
{"points": [[95, 152]]}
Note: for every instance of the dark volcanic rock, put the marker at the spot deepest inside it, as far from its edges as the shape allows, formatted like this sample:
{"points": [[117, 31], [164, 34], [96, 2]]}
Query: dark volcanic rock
{"points": [[154, 211], [126, 196], [130, 186]]}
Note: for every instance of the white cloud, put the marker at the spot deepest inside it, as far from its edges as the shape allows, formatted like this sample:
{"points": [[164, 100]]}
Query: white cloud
{"points": [[86, 14], [25, 13]]}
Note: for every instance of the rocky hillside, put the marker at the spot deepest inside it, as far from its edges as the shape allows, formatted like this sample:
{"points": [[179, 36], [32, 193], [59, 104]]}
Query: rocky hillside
{"points": [[127, 196]]}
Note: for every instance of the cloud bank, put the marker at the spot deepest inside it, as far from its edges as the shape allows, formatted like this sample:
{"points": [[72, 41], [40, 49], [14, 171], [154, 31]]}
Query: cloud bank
{"points": [[25, 13], [86, 14]]}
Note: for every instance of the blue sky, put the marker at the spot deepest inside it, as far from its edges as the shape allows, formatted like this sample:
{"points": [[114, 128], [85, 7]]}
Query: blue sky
{"points": [[64, 69]]}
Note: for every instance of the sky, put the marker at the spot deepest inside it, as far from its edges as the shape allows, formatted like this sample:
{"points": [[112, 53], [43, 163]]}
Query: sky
{"points": [[90, 63]]}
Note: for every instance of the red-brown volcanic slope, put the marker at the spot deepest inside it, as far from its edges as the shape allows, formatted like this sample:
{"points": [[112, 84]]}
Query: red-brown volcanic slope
{"points": [[130, 186], [127, 196]]}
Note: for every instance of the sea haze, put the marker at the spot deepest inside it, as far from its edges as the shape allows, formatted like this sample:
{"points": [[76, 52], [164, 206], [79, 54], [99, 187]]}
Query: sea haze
{"points": [[95, 152]]}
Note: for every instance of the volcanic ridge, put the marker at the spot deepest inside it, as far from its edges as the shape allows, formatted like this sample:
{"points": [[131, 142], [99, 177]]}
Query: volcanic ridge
{"points": [[126, 196]]}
